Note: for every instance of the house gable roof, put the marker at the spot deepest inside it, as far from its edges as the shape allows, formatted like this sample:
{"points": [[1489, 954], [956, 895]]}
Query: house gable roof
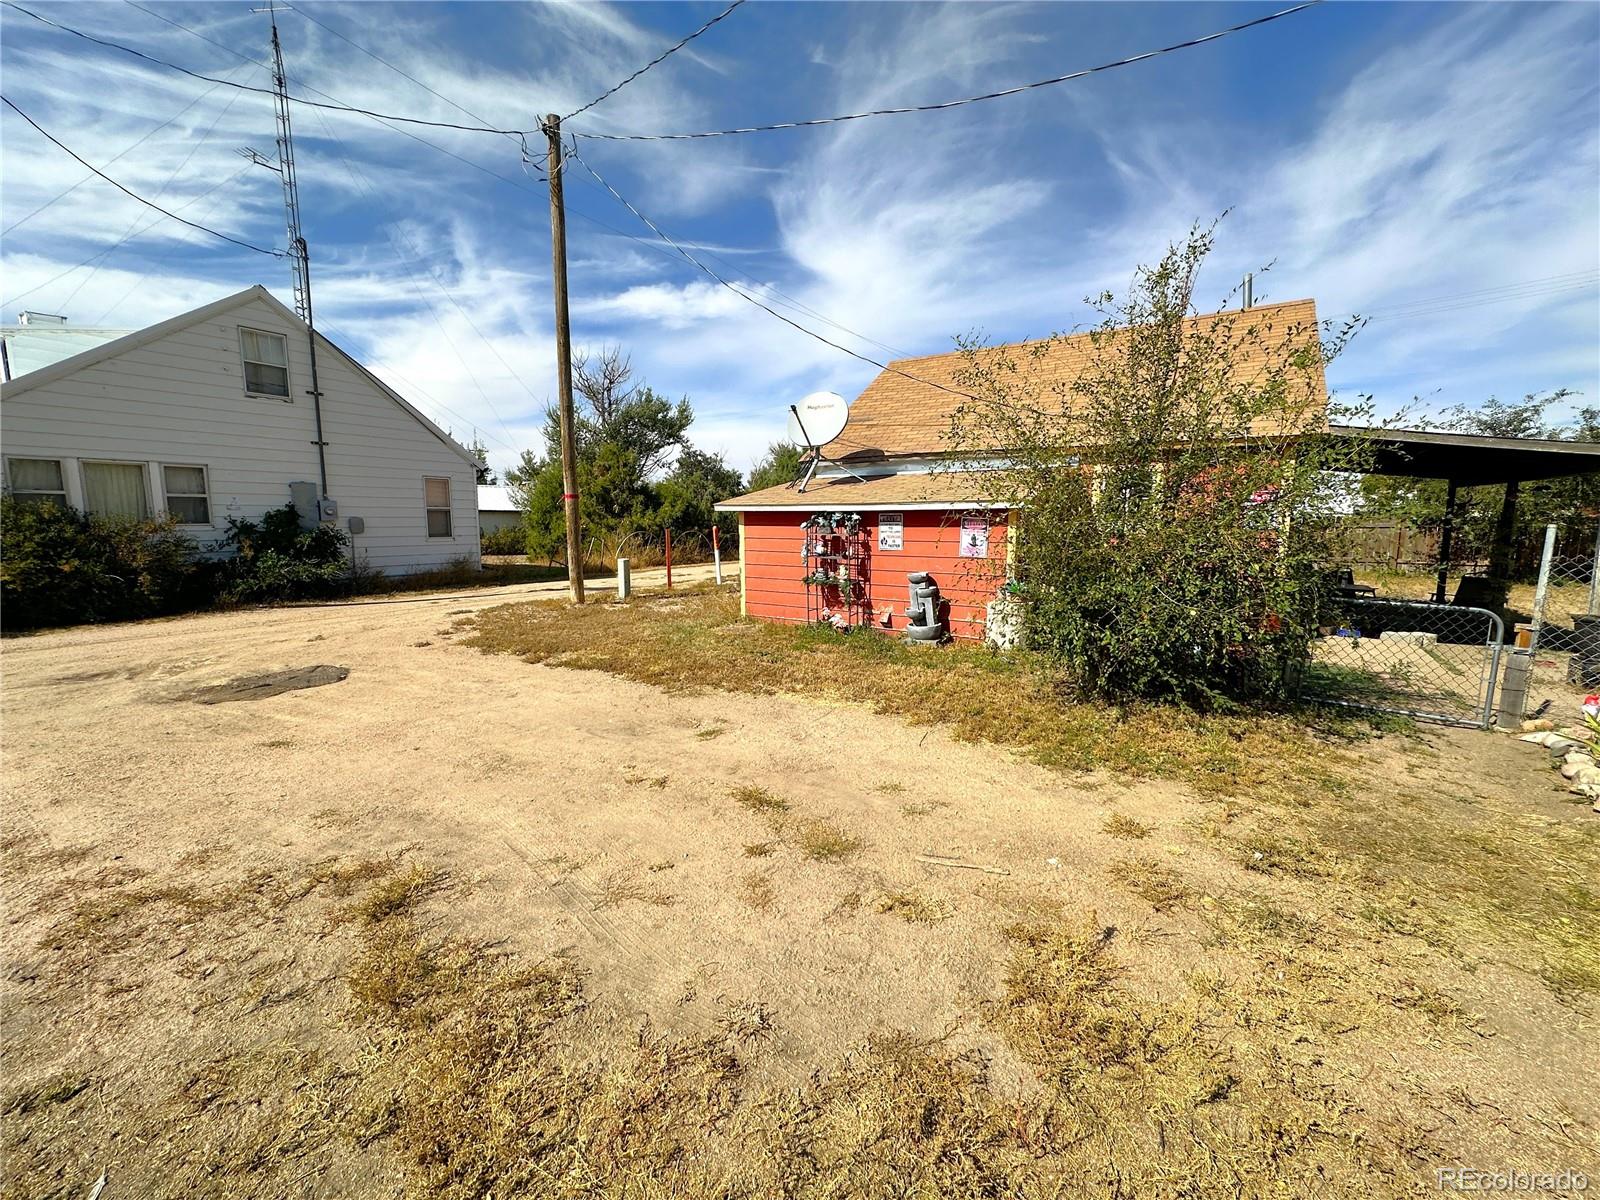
{"points": [[153, 333], [899, 414]]}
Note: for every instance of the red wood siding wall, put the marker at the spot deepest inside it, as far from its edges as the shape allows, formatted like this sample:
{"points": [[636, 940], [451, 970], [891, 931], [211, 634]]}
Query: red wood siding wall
{"points": [[772, 565]]}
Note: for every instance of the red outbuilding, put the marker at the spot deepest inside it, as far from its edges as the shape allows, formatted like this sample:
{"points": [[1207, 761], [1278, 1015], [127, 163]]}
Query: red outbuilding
{"points": [[885, 503]]}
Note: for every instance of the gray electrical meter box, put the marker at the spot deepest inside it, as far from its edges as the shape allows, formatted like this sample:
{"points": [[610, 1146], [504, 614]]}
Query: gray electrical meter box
{"points": [[328, 508]]}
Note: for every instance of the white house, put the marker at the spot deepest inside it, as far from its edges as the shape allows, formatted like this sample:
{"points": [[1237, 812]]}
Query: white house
{"points": [[212, 415]]}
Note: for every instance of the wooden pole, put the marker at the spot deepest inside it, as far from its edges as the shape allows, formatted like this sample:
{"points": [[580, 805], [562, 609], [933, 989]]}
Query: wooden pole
{"points": [[558, 272], [1445, 538], [669, 560]]}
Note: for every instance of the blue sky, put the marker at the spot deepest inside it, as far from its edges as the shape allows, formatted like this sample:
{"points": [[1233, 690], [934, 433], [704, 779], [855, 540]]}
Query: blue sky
{"points": [[1436, 166]]}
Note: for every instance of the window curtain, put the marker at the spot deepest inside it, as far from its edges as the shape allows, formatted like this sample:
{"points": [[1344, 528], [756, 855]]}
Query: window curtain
{"points": [[36, 475], [115, 490]]}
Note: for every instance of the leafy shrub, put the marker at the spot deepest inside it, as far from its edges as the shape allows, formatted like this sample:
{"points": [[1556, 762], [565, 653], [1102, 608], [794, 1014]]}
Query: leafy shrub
{"points": [[275, 559], [512, 539], [1175, 496], [59, 566]]}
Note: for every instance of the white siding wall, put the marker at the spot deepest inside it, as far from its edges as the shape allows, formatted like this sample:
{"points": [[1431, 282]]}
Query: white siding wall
{"points": [[181, 399]]}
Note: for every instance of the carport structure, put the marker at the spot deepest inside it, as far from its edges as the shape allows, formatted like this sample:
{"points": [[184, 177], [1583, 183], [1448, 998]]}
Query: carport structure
{"points": [[1472, 460]]}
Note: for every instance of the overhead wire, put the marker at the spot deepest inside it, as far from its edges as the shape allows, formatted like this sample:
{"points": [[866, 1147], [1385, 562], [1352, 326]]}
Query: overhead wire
{"points": [[273, 253], [123, 153], [612, 91], [39, 287], [358, 177], [133, 229], [958, 103], [811, 333], [334, 107]]}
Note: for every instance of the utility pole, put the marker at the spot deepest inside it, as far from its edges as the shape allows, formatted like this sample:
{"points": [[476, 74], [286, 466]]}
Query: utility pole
{"points": [[558, 271]]}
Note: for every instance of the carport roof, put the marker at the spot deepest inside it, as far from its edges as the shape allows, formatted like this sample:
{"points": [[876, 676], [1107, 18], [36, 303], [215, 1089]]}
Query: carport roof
{"points": [[1471, 459]]}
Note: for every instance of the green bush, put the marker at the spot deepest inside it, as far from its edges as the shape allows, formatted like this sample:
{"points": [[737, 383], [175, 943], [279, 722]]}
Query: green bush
{"points": [[513, 539], [59, 566], [275, 559]]}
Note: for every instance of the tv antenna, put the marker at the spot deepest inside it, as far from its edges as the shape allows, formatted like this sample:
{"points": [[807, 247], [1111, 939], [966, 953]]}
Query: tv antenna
{"points": [[299, 259], [814, 422], [299, 256]]}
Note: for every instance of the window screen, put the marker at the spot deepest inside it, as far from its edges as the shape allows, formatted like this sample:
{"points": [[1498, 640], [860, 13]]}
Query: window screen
{"points": [[266, 362], [188, 500], [115, 490], [37, 480], [436, 494]]}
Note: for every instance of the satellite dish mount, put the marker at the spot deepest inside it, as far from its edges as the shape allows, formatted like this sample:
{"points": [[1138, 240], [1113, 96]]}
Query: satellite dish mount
{"points": [[813, 423]]}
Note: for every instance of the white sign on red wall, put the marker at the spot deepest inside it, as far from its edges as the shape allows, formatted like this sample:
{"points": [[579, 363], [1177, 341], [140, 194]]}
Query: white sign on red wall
{"points": [[892, 531], [974, 537]]}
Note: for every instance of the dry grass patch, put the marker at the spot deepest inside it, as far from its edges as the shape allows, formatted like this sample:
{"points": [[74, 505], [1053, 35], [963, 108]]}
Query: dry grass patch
{"points": [[760, 849], [625, 886], [1126, 828], [759, 799], [757, 891], [1155, 883], [694, 640], [820, 841], [914, 908]]}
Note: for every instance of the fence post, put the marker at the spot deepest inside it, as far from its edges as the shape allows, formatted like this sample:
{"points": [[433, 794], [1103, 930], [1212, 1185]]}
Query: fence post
{"points": [[669, 560], [1541, 592], [1594, 575], [716, 552]]}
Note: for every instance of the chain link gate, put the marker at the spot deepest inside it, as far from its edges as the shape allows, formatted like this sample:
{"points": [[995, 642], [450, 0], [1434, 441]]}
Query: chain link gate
{"points": [[1435, 662], [1564, 634]]}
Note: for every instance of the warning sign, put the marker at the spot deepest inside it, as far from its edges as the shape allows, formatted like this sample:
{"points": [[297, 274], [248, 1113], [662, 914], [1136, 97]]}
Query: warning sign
{"points": [[892, 531], [974, 537]]}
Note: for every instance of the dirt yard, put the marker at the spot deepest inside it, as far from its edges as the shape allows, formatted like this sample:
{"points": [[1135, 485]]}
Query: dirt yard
{"points": [[464, 924]]}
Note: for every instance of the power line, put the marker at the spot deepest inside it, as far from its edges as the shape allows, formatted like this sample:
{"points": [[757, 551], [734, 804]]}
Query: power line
{"points": [[123, 153], [376, 57], [133, 226], [359, 178], [39, 287], [171, 66], [669, 50], [915, 108], [664, 236], [135, 195], [337, 104]]}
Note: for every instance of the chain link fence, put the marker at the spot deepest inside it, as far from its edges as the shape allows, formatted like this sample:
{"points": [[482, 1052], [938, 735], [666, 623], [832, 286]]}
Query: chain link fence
{"points": [[1435, 662], [1564, 633]]}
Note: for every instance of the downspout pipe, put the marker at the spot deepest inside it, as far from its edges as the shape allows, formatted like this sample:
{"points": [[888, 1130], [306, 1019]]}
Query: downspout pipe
{"points": [[316, 386]]}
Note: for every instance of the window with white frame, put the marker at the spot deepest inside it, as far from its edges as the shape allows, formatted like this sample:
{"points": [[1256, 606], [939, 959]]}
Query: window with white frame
{"points": [[115, 489], [188, 497], [37, 481], [266, 362], [437, 500]]}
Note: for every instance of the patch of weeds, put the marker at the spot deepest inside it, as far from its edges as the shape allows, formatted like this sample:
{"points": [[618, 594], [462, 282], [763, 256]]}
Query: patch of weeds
{"points": [[277, 744], [849, 904], [759, 799], [656, 781], [710, 732], [890, 788], [756, 890], [397, 895], [822, 842], [760, 849], [1158, 885], [914, 908], [1119, 825], [1280, 856], [665, 864], [624, 886], [42, 1095]]}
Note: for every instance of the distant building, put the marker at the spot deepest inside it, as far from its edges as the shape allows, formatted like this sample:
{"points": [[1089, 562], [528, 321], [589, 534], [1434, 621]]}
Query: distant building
{"points": [[496, 510], [210, 415]]}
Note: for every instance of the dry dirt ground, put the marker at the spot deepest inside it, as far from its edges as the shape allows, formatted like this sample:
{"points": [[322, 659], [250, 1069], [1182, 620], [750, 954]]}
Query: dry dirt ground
{"points": [[196, 895]]}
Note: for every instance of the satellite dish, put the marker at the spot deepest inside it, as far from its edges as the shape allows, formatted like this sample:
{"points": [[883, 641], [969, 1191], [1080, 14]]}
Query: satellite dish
{"points": [[818, 419]]}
